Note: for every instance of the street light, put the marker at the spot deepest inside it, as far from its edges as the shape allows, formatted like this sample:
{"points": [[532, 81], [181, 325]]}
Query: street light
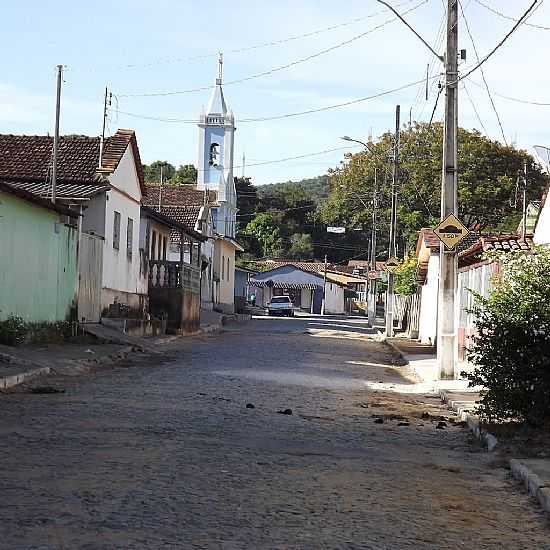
{"points": [[371, 303]]}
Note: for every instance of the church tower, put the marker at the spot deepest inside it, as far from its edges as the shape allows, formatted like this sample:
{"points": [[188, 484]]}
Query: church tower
{"points": [[215, 162]]}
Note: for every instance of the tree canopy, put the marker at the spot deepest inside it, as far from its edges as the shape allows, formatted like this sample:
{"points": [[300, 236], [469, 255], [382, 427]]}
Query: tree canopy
{"points": [[170, 175], [487, 178]]}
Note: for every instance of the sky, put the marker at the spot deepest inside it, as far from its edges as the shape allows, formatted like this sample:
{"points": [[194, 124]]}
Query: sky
{"points": [[140, 47]]}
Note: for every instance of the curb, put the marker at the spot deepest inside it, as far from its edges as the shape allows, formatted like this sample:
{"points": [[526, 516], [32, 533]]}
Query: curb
{"points": [[463, 410], [393, 346], [80, 366], [16, 379], [533, 484]]}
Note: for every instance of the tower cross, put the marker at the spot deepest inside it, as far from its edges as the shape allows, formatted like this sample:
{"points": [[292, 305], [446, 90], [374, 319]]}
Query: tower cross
{"points": [[220, 68]]}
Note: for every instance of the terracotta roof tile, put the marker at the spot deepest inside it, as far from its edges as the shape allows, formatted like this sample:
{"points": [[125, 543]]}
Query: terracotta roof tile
{"points": [[29, 158], [177, 195]]}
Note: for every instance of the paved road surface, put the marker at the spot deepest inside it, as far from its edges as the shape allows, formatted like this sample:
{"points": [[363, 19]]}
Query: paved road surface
{"points": [[168, 456]]}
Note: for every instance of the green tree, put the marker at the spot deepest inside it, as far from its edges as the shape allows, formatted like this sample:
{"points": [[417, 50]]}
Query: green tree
{"points": [[301, 247], [263, 229], [511, 348], [186, 173], [488, 173], [405, 277], [152, 171]]}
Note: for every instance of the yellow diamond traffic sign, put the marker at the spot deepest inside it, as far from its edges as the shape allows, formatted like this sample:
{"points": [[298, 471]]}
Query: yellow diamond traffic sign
{"points": [[391, 264], [451, 231]]}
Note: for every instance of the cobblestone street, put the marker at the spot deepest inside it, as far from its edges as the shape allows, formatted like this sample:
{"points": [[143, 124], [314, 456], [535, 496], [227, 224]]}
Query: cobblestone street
{"points": [[148, 456]]}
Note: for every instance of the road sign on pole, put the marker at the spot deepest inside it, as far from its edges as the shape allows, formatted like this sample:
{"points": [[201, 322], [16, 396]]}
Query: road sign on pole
{"points": [[451, 232], [391, 264]]}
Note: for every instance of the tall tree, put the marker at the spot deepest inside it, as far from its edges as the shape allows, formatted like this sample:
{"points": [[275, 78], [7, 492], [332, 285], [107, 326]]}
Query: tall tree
{"points": [[488, 173], [186, 173], [152, 171]]}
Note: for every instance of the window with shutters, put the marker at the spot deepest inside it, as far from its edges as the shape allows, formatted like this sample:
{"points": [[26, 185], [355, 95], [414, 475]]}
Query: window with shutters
{"points": [[129, 237], [116, 231]]}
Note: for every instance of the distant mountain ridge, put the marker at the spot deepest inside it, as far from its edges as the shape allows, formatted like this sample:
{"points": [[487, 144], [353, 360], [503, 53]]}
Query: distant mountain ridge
{"points": [[318, 188]]}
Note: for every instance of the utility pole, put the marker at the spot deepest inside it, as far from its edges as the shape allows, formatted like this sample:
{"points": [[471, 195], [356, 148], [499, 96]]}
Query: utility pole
{"points": [[447, 350], [393, 223], [106, 103], [244, 162], [524, 223], [371, 303], [56, 132], [160, 189], [324, 288]]}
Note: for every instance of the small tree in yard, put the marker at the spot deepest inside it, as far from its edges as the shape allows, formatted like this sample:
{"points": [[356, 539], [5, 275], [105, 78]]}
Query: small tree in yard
{"points": [[511, 350], [405, 277]]}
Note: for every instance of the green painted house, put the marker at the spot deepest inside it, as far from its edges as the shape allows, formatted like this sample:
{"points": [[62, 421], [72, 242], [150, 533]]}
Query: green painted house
{"points": [[38, 266]]}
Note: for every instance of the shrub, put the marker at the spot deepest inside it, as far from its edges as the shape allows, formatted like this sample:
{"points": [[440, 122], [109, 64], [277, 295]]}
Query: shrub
{"points": [[13, 331], [405, 277], [511, 350]]}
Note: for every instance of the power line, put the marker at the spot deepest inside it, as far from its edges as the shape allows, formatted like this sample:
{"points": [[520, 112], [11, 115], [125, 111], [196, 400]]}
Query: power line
{"points": [[516, 99], [510, 32], [280, 67], [483, 77], [286, 115], [475, 109], [244, 49], [500, 14]]}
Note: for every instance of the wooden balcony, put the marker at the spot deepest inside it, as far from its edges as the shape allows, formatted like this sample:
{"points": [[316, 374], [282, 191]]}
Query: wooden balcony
{"points": [[165, 274]]}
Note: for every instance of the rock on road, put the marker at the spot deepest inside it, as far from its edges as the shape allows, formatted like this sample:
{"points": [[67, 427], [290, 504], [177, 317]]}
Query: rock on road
{"points": [[169, 456]]}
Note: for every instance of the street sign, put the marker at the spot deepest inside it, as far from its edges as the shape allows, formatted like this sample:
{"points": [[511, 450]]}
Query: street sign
{"points": [[336, 229], [391, 264], [451, 232]]}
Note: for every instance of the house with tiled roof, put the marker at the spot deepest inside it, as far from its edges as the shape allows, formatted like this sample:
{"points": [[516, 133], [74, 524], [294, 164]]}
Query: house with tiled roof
{"points": [[305, 283], [476, 275], [191, 208], [38, 285], [108, 192], [427, 275]]}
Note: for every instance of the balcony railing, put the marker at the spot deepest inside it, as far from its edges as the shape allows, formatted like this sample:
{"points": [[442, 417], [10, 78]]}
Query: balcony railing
{"points": [[164, 274]]}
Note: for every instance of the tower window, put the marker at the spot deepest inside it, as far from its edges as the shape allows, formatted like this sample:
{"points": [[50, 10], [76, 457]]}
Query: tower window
{"points": [[214, 154]]}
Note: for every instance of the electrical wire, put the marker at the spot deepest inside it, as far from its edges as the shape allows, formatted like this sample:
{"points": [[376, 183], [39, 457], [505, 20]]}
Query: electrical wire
{"points": [[483, 77], [500, 14], [286, 115], [475, 109], [516, 99], [508, 34], [280, 67], [244, 49]]}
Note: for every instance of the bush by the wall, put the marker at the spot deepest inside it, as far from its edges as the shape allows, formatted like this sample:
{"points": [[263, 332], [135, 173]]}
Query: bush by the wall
{"points": [[13, 331], [511, 350]]}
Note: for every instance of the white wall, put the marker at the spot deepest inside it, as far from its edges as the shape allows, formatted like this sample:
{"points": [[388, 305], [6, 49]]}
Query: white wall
{"points": [[224, 267], [121, 273], [334, 298], [306, 299], [542, 230], [427, 330]]}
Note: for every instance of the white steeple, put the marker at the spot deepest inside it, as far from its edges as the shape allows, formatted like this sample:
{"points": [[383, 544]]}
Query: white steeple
{"points": [[216, 147], [216, 105]]}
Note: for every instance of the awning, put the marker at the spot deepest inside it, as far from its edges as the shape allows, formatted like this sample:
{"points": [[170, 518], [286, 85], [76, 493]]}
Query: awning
{"points": [[281, 284]]}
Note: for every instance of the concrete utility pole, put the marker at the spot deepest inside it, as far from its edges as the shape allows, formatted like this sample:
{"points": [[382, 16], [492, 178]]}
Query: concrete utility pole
{"points": [[324, 288], [524, 218], [393, 222], [244, 163], [106, 102], [371, 302], [447, 350], [56, 132]]}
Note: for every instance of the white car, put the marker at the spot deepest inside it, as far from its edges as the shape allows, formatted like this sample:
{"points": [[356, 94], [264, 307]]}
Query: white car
{"points": [[280, 305]]}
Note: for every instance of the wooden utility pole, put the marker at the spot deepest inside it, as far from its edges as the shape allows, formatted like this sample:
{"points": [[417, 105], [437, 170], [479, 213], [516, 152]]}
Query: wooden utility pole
{"points": [[324, 288], [56, 132], [371, 302], [447, 350], [393, 223], [106, 102]]}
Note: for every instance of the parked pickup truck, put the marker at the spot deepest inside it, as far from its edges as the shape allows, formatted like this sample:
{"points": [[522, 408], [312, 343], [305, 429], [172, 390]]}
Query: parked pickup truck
{"points": [[280, 305]]}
